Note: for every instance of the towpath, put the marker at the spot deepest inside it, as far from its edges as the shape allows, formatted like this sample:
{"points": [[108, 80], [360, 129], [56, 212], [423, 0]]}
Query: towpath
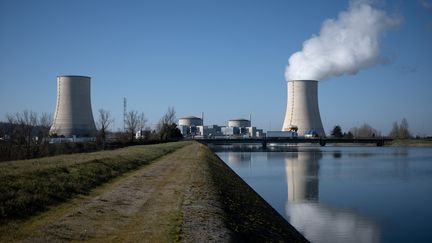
{"points": [[175, 198]]}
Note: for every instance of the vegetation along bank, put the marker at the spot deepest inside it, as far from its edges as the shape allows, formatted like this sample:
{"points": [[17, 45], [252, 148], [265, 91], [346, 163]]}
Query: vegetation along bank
{"points": [[188, 194]]}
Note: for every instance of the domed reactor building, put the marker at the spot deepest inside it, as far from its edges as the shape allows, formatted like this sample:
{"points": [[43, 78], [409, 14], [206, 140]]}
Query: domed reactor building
{"points": [[73, 114], [302, 112]]}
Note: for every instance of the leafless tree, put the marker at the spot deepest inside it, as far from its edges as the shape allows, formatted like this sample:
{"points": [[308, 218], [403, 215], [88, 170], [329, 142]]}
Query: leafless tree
{"points": [[26, 121], [394, 133], [132, 123], [167, 128], [104, 122], [142, 121], [404, 129], [45, 122], [400, 131], [364, 131], [167, 119]]}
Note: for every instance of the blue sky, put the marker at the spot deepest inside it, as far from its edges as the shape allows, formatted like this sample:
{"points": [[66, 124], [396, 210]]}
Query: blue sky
{"points": [[225, 58]]}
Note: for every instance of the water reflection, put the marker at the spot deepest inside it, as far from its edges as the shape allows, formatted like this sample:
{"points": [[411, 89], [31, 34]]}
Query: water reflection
{"points": [[302, 175], [242, 159], [317, 221], [344, 193]]}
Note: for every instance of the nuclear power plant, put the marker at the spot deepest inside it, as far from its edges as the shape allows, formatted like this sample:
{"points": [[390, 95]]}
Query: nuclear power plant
{"points": [[302, 112], [73, 114]]}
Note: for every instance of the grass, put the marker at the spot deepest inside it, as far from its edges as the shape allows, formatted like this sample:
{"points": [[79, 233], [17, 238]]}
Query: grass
{"points": [[30, 186], [412, 142]]}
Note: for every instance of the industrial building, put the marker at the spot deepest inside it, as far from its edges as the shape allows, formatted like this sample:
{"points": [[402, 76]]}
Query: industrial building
{"points": [[302, 112], [191, 126], [73, 115], [188, 125]]}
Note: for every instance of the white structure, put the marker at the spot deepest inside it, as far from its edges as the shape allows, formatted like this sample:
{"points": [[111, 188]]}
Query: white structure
{"points": [[302, 110], [73, 115], [239, 122], [188, 125], [190, 121]]}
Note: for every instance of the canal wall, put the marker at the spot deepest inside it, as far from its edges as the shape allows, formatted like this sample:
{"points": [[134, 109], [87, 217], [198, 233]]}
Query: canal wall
{"points": [[247, 215]]}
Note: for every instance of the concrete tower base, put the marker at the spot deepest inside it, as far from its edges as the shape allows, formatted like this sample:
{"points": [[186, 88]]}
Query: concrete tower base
{"points": [[302, 109]]}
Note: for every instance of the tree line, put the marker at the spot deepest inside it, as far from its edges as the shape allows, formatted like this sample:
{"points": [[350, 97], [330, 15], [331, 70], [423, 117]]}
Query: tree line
{"points": [[367, 131], [25, 134]]}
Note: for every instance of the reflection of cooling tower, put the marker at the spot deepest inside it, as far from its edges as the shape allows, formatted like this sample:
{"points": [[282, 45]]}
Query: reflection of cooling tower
{"points": [[239, 158], [73, 114], [302, 176], [302, 107]]}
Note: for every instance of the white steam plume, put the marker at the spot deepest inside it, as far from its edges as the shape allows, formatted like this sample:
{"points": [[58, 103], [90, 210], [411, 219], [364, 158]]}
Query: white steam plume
{"points": [[344, 46]]}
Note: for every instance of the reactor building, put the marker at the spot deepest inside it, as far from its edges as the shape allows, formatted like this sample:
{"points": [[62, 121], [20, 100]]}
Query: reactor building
{"points": [[73, 114], [302, 112]]}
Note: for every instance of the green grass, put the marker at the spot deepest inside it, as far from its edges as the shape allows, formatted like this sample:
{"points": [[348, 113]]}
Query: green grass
{"points": [[30, 186]]}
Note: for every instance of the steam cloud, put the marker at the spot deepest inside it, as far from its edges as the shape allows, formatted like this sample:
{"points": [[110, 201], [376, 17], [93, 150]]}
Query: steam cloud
{"points": [[344, 46]]}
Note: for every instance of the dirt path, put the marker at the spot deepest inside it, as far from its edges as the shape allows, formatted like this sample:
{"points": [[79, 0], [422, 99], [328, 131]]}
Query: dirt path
{"points": [[189, 195], [165, 201]]}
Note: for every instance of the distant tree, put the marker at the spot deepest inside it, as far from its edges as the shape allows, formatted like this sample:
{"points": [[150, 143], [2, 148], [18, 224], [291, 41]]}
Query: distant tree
{"points": [[167, 128], [142, 121], [348, 135], [104, 122], [22, 126], [394, 133], [26, 121], [167, 119], [44, 124], [404, 129], [364, 131], [400, 131], [337, 132], [132, 123]]}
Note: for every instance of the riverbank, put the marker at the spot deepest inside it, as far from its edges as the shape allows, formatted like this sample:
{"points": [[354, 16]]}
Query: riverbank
{"points": [[186, 195], [411, 142]]}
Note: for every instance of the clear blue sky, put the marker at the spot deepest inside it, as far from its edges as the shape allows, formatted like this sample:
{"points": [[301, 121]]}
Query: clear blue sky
{"points": [[226, 58]]}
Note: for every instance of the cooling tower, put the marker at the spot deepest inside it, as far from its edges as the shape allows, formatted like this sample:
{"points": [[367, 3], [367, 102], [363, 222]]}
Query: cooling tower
{"points": [[302, 109], [73, 114]]}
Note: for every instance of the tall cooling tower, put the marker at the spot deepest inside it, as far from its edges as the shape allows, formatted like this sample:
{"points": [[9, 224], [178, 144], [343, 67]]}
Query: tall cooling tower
{"points": [[73, 114], [302, 108]]}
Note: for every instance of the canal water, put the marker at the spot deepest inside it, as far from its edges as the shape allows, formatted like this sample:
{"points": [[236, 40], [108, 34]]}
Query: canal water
{"points": [[343, 194]]}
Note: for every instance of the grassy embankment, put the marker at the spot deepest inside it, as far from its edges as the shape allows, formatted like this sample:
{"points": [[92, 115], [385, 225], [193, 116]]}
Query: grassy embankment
{"points": [[188, 195], [30, 186], [412, 142]]}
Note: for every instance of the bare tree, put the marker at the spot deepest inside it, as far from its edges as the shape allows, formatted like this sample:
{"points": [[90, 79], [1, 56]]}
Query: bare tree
{"points": [[364, 131], [400, 131], [404, 129], [45, 122], [26, 121], [394, 133], [104, 122], [142, 121], [167, 119], [132, 123], [167, 128]]}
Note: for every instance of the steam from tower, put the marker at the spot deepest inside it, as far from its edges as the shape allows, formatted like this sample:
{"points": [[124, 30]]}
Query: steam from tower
{"points": [[344, 45]]}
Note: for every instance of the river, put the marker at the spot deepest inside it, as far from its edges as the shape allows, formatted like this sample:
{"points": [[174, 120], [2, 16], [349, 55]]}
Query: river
{"points": [[343, 194]]}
